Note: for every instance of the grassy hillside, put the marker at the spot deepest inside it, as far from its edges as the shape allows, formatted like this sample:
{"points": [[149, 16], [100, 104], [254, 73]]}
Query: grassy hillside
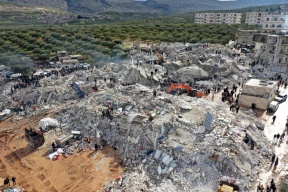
{"points": [[23, 15]]}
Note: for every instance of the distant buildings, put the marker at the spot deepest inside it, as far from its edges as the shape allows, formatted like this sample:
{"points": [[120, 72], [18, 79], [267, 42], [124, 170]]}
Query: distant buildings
{"points": [[64, 58], [275, 22], [218, 18], [255, 18], [269, 21]]}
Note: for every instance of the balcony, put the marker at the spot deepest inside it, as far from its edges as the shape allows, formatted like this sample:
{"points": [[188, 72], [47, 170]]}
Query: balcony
{"points": [[284, 63], [283, 52], [284, 43], [272, 41]]}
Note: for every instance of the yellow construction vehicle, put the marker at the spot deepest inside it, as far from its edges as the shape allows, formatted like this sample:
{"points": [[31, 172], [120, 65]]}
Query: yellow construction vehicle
{"points": [[160, 58]]}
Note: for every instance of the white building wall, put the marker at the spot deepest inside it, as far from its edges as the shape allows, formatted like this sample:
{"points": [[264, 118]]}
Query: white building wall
{"points": [[219, 18], [255, 18], [274, 22]]}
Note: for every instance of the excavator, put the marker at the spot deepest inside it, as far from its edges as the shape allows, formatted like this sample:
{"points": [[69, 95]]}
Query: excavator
{"points": [[160, 60], [191, 92], [34, 138], [178, 86]]}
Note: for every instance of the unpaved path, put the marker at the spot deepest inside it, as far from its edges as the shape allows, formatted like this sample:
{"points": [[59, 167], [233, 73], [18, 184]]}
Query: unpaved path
{"points": [[84, 171]]}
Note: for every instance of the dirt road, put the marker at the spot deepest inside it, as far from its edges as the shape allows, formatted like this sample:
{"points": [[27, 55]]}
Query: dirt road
{"points": [[84, 171]]}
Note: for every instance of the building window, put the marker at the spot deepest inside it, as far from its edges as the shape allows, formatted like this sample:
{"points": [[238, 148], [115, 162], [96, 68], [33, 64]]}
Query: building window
{"points": [[267, 19]]}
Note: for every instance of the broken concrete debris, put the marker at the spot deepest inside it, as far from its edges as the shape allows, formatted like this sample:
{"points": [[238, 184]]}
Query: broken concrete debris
{"points": [[161, 138]]}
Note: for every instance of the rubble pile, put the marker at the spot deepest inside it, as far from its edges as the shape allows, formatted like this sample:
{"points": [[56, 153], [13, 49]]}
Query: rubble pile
{"points": [[173, 147], [161, 138]]}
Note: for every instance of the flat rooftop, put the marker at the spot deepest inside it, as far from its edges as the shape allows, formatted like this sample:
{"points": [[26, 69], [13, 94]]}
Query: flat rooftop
{"points": [[261, 83]]}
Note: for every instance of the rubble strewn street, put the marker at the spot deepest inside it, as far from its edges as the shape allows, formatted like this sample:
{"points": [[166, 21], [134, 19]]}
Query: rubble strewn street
{"points": [[161, 137]]}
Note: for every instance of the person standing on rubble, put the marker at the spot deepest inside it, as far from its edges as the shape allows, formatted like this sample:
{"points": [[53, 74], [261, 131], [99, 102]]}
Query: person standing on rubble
{"points": [[282, 137], [53, 146], [252, 144], [96, 147], [154, 93], [14, 181], [275, 138], [273, 159], [274, 118], [237, 108], [110, 107], [7, 181], [260, 188], [273, 186], [278, 136], [268, 188], [276, 163]]}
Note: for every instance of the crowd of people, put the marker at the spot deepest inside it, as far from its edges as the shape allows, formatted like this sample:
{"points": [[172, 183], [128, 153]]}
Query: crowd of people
{"points": [[269, 188]]}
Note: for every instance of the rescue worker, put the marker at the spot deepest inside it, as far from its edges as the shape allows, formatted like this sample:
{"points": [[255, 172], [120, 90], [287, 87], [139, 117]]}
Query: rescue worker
{"points": [[237, 108], [276, 163], [7, 181], [273, 159], [274, 118], [154, 93], [53, 146], [14, 180]]}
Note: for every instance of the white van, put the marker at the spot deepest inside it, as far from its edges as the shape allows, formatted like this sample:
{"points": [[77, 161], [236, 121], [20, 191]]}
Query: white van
{"points": [[273, 106]]}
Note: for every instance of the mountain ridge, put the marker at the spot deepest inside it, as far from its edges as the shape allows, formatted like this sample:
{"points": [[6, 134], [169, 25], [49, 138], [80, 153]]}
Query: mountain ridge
{"points": [[166, 7]]}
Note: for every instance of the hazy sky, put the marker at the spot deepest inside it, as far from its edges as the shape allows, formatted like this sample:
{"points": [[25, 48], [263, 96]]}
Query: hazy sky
{"points": [[261, 1]]}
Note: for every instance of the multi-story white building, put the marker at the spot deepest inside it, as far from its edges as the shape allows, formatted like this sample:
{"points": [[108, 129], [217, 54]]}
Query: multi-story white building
{"points": [[274, 22], [255, 18], [218, 18], [272, 49]]}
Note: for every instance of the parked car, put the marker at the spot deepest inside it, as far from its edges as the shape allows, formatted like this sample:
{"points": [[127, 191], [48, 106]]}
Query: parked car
{"points": [[281, 97], [273, 106], [85, 65]]}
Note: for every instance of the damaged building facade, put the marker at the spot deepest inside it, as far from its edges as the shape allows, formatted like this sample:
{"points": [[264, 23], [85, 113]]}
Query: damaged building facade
{"points": [[272, 50]]}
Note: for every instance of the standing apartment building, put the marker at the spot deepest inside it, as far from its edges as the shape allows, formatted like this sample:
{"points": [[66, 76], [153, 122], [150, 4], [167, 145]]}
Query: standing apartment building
{"points": [[272, 49], [218, 18], [255, 18], [275, 22]]}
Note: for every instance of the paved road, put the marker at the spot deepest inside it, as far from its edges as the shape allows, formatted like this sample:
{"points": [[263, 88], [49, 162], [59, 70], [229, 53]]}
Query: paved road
{"points": [[280, 149]]}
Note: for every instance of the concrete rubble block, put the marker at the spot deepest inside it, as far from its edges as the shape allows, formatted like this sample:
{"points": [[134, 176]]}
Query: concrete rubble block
{"points": [[157, 154], [201, 129]]}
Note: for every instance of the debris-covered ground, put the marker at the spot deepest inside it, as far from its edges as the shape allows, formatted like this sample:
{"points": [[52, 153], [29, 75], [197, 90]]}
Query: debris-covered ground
{"points": [[159, 136]]}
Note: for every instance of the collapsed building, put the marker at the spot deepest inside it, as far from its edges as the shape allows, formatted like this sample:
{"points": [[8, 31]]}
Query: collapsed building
{"points": [[163, 139]]}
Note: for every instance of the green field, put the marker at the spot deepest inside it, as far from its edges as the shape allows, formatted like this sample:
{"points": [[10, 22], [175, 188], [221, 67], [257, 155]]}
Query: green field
{"points": [[104, 42]]}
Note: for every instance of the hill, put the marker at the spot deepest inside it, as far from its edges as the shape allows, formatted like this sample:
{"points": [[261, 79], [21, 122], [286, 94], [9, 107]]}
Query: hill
{"points": [[166, 7]]}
